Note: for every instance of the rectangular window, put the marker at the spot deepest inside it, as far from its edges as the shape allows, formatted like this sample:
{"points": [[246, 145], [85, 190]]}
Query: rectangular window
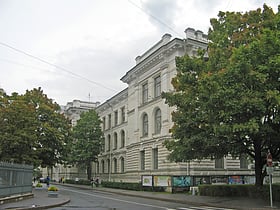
{"points": [[109, 121], [155, 158], [243, 162], [157, 87], [116, 118], [104, 123], [123, 114], [219, 163], [145, 93], [142, 160]]}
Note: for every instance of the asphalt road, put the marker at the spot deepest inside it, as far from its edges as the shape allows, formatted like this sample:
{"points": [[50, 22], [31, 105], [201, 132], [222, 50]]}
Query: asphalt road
{"points": [[85, 199]]}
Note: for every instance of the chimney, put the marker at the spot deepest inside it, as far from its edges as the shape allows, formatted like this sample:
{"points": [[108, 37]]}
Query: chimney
{"points": [[190, 33], [138, 59], [199, 35], [165, 38]]}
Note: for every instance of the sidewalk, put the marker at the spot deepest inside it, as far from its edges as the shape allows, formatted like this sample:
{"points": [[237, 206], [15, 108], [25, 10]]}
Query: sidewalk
{"points": [[42, 201]]}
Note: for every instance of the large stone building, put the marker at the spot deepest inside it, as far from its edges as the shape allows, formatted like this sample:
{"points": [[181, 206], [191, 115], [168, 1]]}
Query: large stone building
{"points": [[137, 121]]}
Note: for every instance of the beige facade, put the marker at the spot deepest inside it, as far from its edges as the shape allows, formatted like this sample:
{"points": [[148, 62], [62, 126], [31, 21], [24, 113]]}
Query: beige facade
{"points": [[148, 120]]}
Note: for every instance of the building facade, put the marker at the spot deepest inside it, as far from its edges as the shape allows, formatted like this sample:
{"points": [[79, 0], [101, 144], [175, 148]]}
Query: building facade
{"points": [[137, 121]]}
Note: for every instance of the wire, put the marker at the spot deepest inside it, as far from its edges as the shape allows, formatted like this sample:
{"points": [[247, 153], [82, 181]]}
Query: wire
{"points": [[154, 17], [56, 66]]}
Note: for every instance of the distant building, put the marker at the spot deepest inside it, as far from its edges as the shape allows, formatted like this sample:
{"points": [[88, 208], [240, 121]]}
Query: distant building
{"points": [[73, 109]]}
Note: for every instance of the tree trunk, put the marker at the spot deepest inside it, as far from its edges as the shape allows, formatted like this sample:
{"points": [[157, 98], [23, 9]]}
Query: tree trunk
{"points": [[258, 163]]}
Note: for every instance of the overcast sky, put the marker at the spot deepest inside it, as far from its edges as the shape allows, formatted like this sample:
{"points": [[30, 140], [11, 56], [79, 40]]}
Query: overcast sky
{"points": [[79, 49]]}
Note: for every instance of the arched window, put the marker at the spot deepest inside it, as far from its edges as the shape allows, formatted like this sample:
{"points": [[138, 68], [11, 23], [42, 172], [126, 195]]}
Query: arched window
{"points": [[115, 165], [157, 121], [109, 142], [108, 166], [145, 125], [122, 164], [122, 139], [115, 140]]}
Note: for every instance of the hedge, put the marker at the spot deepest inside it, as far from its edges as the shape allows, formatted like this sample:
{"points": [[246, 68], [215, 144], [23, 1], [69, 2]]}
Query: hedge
{"points": [[250, 191]]}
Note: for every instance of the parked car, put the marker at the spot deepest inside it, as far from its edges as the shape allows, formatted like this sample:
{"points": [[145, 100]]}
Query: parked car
{"points": [[42, 180]]}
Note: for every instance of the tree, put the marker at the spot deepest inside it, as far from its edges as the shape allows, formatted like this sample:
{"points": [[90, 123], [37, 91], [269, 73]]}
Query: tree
{"points": [[230, 104], [32, 130], [88, 140]]}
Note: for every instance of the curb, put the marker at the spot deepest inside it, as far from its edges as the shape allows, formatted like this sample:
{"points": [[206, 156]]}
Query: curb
{"points": [[15, 198]]}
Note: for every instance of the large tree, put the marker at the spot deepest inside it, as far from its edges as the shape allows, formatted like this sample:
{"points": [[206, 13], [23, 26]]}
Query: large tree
{"points": [[32, 130], [230, 103], [88, 140]]}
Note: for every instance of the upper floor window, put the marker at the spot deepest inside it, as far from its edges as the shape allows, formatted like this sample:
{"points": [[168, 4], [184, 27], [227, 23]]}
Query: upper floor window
{"points": [[122, 138], [157, 121], [157, 86], [116, 118], [109, 143], [145, 125], [145, 93], [104, 123], [109, 121], [123, 114], [115, 140]]}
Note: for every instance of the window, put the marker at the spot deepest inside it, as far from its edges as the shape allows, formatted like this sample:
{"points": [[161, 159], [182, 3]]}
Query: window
{"points": [[145, 125], [116, 118], [157, 87], [157, 121], [145, 93], [109, 121], [109, 142], [102, 166], [104, 123], [155, 158], [243, 162], [122, 139], [219, 163], [122, 164], [115, 140], [142, 160], [123, 114], [115, 165], [97, 167], [108, 166]]}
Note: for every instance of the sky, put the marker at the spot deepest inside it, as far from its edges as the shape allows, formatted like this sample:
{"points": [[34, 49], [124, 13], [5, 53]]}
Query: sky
{"points": [[80, 49]]}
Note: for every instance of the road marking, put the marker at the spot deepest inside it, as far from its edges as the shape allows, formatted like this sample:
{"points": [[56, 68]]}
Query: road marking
{"points": [[115, 199], [202, 208]]}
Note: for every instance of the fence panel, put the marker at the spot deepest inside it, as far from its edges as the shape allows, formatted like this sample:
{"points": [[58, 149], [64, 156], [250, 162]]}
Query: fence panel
{"points": [[15, 179]]}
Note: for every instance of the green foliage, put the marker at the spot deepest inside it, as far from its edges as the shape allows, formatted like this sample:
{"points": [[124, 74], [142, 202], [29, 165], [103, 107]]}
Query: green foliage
{"points": [[250, 191], [88, 140], [231, 103], [32, 130]]}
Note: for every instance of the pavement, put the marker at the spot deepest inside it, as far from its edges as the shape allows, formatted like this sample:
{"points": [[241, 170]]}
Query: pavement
{"points": [[39, 199]]}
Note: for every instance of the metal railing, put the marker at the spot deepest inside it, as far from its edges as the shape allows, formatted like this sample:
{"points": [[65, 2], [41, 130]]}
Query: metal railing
{"points": [[15, 179]]}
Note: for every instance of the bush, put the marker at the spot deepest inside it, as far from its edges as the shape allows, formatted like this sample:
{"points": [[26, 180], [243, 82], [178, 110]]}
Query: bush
{"points": [[250, 191], [52, 188], [39, 185]]}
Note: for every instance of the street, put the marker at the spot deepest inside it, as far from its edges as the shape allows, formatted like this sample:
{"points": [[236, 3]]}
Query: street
{"points": [[90, 199]]}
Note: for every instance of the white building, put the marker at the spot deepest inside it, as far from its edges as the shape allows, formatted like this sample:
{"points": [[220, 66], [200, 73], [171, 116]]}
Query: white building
{"points": [[136, 121]]}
